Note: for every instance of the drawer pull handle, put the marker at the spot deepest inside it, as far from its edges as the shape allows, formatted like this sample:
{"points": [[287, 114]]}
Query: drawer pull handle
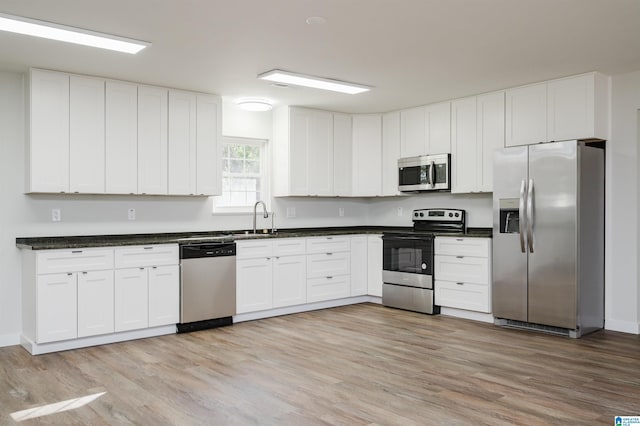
{"points": [[329, 238], [84, 272], [329, 254], [459, 257], [268, 258], [142, 269], [329, 278], [148, 248], [459, 239], [154, 267], [76, 251], [460, 283], [69, 273]]}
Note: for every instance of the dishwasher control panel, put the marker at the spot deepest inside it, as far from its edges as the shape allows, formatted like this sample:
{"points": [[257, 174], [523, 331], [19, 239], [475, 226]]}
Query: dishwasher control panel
{"points": [[192, 251]]}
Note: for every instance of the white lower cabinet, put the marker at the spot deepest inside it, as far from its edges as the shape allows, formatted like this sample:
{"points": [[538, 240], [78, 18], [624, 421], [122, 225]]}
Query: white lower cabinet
{"points": [[328, 268], [374, 265], [71, 295], [95, 303], [270, 274], [462, 271], [57, 308], [359, 285]]}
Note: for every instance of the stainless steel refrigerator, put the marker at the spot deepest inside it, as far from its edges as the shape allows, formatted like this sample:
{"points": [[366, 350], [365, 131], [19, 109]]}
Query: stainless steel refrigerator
{"points": [[548, 237]]}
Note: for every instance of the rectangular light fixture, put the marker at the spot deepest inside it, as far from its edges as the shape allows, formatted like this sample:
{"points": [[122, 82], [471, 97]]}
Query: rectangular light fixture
{"points": [[286, 77], [52, 31]]}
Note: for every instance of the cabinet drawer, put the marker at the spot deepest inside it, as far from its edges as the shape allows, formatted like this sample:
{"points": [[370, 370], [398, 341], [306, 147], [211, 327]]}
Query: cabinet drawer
{"points": [[462, 268], [328, 288], [254, 249], [470, 296], [327, 244], [152, 255], [478, 247], [289, 246], [328, 264], [74, 260]]}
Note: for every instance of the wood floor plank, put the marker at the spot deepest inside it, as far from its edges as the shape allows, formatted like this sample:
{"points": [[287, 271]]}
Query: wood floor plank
{"points": [[354, 365]]}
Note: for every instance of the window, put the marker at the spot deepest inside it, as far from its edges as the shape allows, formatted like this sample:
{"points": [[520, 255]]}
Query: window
{"points": [[244, 174]]}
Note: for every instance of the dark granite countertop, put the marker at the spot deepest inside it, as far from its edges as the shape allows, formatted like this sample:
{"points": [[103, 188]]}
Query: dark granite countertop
{"points": [[49, 243]]}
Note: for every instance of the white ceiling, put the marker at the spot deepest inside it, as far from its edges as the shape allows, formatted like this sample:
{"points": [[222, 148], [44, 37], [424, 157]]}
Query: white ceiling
{"points": [[413, 51]]}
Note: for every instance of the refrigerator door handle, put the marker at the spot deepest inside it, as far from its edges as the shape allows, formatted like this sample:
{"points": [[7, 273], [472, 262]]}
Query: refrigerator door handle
{"points": [[521, 213], [530, 215]]}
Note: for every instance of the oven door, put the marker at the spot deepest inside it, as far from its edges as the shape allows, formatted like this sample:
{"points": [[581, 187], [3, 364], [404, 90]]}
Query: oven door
{"points": [[408, 260]]}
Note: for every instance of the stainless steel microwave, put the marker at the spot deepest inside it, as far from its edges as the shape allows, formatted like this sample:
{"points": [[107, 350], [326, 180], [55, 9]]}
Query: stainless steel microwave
{"points": [[425, 173]]}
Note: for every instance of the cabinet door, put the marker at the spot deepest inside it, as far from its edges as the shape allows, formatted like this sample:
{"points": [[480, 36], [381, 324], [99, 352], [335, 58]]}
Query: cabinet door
{"points": [[462, 269], [463, 295], [390, 153], [359, 268], [490, 126], [152, 140], [56, 314], [86, 135], [289, 281], [95, 303], [367, 155], [208, 145], [320, 160], [464, 150], [298, 151], [49, 132], [342, 155], [526, 115], [182, 143], [131, 299], [570, 108], [254, 284], [374, 264], [328, 264], [438, 122], [413, 138], [121, 138], [164, 295]]}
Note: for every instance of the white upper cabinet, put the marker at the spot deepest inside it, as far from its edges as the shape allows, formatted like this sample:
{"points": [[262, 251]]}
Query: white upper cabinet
{"points": [[577, 107], [390, 153], [438, 131], [182, 143], [152, 140], [490, 127], [526, 115], [425, 130], [303, 152], [86, 135], [121, 137], [464, 150], [477, 129], [564, 109], [49, 132], [367, 155], [412, 132], [209, 145], [342, 154]]}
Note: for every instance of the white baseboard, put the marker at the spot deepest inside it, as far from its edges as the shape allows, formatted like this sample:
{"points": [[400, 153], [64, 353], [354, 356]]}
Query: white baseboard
{"points": [[250, 316], [472, 315], [622, 326], [9, 340], [43, 348]]}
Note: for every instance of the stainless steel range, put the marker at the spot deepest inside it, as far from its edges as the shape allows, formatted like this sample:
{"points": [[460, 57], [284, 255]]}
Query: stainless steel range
{"points": [[408, 259]]}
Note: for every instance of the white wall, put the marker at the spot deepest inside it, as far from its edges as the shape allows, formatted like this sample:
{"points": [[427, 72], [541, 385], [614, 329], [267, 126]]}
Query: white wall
{"points": [[622, 296]]}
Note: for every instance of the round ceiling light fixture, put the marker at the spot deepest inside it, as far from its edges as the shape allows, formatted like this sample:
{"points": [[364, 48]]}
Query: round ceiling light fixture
{"points": [[254, 104]]}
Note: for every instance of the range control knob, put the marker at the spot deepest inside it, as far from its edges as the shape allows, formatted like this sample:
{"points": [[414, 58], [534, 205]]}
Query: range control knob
{"points": [[421, 214], [457, 214], [450, 214]]}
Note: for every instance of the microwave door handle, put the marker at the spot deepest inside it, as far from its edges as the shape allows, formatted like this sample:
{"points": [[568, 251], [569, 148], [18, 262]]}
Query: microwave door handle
{"points": [[530, 216], [432, 174], [521, 213]]}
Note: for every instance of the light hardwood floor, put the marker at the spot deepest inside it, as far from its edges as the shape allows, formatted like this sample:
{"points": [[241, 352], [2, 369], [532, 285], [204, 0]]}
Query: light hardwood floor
{"points": [[354, 365]]}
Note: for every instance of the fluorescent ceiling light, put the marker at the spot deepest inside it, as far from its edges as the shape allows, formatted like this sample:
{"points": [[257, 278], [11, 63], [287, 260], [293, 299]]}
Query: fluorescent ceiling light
{"points": [[287, 77], [33, 27], [254, 104]]}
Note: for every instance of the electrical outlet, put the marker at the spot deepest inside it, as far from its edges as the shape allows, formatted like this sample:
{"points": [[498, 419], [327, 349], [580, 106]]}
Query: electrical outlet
{"points": [[56, 216], [131, 214], [399, 211], [341, 211], [291, 212]]}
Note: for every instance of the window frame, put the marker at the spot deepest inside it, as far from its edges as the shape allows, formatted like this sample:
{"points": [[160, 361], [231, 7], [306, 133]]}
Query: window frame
{"points": [[264, 175]]}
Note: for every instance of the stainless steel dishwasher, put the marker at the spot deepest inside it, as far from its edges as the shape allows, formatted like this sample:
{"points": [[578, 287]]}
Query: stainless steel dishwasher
{"points": [[207, 285]]}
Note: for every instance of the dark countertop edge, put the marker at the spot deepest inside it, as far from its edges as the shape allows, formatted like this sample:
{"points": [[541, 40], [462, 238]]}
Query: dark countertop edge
{"points": [[62, 242]]}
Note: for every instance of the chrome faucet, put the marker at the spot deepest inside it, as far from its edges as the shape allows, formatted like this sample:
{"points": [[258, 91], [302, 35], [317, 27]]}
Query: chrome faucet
{"points": [[255, 207]]}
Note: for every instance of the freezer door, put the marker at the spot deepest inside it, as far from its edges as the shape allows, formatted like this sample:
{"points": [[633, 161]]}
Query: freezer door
{"points": [[509, 293], [552, 264]]}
